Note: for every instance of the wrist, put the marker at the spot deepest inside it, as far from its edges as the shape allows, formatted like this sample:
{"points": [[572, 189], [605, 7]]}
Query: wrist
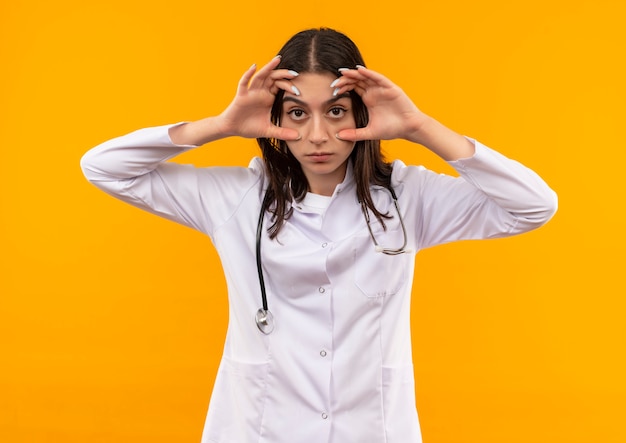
{"points": [[198, 132], [222, 126], [443, 141], [417, 129]]}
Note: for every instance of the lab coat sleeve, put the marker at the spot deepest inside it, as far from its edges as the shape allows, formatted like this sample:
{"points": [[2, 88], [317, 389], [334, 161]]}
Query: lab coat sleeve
{"points": [[493, 197], [134, 168]]}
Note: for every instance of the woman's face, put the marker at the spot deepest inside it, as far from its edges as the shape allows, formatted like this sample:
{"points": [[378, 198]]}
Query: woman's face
{"points": [[318, 115]]}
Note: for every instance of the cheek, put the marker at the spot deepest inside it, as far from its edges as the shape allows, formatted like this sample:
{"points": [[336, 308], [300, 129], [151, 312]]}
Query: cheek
{"points": [[288, 122], [292, 147], [349, 121], [349, 146]]}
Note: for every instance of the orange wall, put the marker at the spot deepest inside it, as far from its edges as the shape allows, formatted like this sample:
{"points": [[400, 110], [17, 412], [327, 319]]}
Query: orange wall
{"points": [[112, 321]]}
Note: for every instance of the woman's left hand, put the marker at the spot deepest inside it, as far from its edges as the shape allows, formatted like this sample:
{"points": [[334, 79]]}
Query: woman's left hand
{"points": [[392, 114]]}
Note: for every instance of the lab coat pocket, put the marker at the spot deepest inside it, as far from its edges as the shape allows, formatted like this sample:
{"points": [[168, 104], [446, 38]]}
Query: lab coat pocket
{"points": [[377, 274], [237, 404], [401, 421]]}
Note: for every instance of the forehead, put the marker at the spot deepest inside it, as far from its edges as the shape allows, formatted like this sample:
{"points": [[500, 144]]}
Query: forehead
{"points": [[314, 88]]}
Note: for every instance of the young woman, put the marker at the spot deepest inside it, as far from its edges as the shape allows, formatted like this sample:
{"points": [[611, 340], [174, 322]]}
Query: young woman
{"points": [[318, 238]]}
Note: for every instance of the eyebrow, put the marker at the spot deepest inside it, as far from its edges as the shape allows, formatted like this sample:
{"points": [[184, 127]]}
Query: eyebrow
{"points": [[326, 103]]}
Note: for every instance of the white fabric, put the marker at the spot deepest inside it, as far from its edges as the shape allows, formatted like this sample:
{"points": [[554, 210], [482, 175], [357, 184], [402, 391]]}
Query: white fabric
{"points": [[315, 202], [338, 367]]}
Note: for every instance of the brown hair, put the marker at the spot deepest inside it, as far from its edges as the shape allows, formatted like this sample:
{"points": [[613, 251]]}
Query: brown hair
{"points": [[319, 51]]}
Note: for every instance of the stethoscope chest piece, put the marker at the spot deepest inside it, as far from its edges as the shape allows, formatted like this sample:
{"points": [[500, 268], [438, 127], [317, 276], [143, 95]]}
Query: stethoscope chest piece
{"points": [[264, 321]]}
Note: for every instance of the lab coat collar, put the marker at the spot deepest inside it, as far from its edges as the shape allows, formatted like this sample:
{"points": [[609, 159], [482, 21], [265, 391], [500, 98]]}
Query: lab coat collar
{"points": [[343, 188]]}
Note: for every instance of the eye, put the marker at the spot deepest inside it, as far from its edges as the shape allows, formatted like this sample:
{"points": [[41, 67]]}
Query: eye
{"points": [[337, 112], [296, 114]]}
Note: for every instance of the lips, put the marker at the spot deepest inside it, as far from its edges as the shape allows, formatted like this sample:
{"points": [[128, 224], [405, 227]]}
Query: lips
{"points": [[319, 156]]}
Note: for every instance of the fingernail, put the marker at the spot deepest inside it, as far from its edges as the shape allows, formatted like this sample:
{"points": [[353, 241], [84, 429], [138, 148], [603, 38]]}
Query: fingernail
{"points": [[343, 69], [360, 66], [278, 56], [337, 136], [334, 83], [335, 92], [295, 90], [253, 66], [294, 73]]}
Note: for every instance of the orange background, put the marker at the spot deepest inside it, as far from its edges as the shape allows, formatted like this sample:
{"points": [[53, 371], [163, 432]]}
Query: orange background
{"points": [[112, 320]]}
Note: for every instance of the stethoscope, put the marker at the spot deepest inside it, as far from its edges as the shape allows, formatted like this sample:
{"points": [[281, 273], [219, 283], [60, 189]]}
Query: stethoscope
{"points": [[264, 317]]}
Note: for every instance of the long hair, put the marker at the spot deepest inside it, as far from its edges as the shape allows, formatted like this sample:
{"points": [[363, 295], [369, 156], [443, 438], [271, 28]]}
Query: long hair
{"points": [[319, 51]]}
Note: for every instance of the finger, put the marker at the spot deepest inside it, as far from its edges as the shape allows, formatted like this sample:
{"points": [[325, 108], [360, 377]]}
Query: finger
{"points": [[286, 134], [280, 79], [259, 79], [356, 87], [341, 81], [368, 76], [355, 82], [278, 74], [355, 135], [342, 85], [245, 78], [373, 75], [360, 90], [363, 84], [353, 74], [286, 86]]}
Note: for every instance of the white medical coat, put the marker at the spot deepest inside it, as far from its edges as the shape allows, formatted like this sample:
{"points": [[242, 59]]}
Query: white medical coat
{"points": [[338, 366]]}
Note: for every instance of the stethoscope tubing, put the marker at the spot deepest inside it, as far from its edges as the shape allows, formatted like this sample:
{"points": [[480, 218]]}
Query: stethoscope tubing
{"points": [[264, 318], [259, 232]]}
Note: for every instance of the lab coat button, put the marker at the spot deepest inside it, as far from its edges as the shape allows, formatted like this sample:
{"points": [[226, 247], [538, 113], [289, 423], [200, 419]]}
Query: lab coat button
{"points": [[322, 290], [324, 244], [324, 415], [323, 353]]}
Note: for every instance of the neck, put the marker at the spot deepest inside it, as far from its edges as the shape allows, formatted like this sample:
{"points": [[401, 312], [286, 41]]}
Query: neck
{"points": [[326, 184], [325, 189]]}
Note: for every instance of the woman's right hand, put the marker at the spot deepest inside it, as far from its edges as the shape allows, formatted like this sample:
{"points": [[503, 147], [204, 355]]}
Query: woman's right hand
{"points": [[248, 115]]}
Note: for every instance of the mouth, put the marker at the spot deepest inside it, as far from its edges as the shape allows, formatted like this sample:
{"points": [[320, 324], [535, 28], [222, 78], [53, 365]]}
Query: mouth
{"points": [[319, 156]]}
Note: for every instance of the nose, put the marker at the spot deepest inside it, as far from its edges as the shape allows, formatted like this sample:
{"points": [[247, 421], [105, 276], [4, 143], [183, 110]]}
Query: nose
{"points": [[318, 133]]}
